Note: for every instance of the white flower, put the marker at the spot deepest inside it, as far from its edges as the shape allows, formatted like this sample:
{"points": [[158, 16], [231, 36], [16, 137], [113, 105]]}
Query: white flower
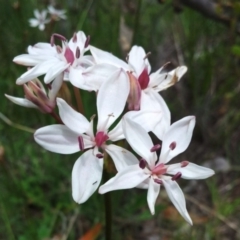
{"points": [[40, 19], [57, 14], [78, 134], [37, 97], [151, 172], [54, 60], [144, 87]]}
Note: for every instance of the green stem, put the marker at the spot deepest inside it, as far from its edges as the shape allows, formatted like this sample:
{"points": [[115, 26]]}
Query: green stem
{"points": [[108, 210]]}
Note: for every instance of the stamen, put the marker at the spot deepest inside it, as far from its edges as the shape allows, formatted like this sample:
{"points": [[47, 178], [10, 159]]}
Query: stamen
{"points": [[87, 42], [147, 55], [176, 176], [173, 145], [159, 181], [99, 155], [155, 148], [184, 163], [59, 49], [127, 58], [81, 143], [69, 55], [77, 54], [49, 86], [74, 38], [56, 35], [165, 66], [142, 163]]}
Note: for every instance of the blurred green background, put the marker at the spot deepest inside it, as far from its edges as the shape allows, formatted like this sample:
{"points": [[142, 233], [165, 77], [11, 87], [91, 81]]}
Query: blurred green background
{"points": [[35, 185]]}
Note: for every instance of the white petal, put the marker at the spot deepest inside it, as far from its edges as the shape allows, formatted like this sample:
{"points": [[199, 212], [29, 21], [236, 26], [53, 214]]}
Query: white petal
{"points": [[55, 87], [161, 81], [21, 101], [139, 140], [29, 60], [147, 119], [71, 118], [153, 192], [55, 70], [152, 101], [86, 176], [94, 76], [59, 139], [176, 196], [191, 171], [111, 99], [179, 132], [101, 56], [77, 79], [128, 178], [137, 61], [121, 156], [117, 133], [41, 26], [36, 71], [33, 22]]}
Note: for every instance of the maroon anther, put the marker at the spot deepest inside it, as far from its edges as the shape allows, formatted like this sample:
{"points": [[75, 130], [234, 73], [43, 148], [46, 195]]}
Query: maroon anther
{"points": [[176, 176], [184, 163], [74, 38], [159, 181], [87, 42], [155, 148], [69, 55], [173, 145], [99, 155], [81, 143], [144, 79], [142, 163], [77, 54], [56, 35]]}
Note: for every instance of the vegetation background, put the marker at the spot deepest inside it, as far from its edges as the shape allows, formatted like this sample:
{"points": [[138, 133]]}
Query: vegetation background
{"points": [[35, 187]]}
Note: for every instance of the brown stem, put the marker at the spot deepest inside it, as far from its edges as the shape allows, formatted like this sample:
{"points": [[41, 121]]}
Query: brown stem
{"points": [[78, 100], [56, 117]]}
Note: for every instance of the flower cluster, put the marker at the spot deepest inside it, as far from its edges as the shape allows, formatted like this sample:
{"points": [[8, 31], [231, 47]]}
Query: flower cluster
{"points": [[41, 19], [128, 107]]}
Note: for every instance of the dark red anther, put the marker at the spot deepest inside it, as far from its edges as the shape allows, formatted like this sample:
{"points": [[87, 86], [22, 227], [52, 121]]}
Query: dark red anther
{"points": [[87, 42], [184, 163], [155, 148], [81, 143], [173, 145], [142, 163], [159, 181], [144, 79], [69, 55], [56, 35], [77, 54], [99, 155], [176, 176]]}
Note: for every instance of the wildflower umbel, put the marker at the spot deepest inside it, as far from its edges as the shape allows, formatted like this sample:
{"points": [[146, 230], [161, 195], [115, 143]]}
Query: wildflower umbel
{"points": [[128, 107]]}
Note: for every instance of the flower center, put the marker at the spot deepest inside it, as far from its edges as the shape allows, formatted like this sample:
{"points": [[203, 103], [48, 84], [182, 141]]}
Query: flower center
{"points": [[101, 138], [159, 169]]}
